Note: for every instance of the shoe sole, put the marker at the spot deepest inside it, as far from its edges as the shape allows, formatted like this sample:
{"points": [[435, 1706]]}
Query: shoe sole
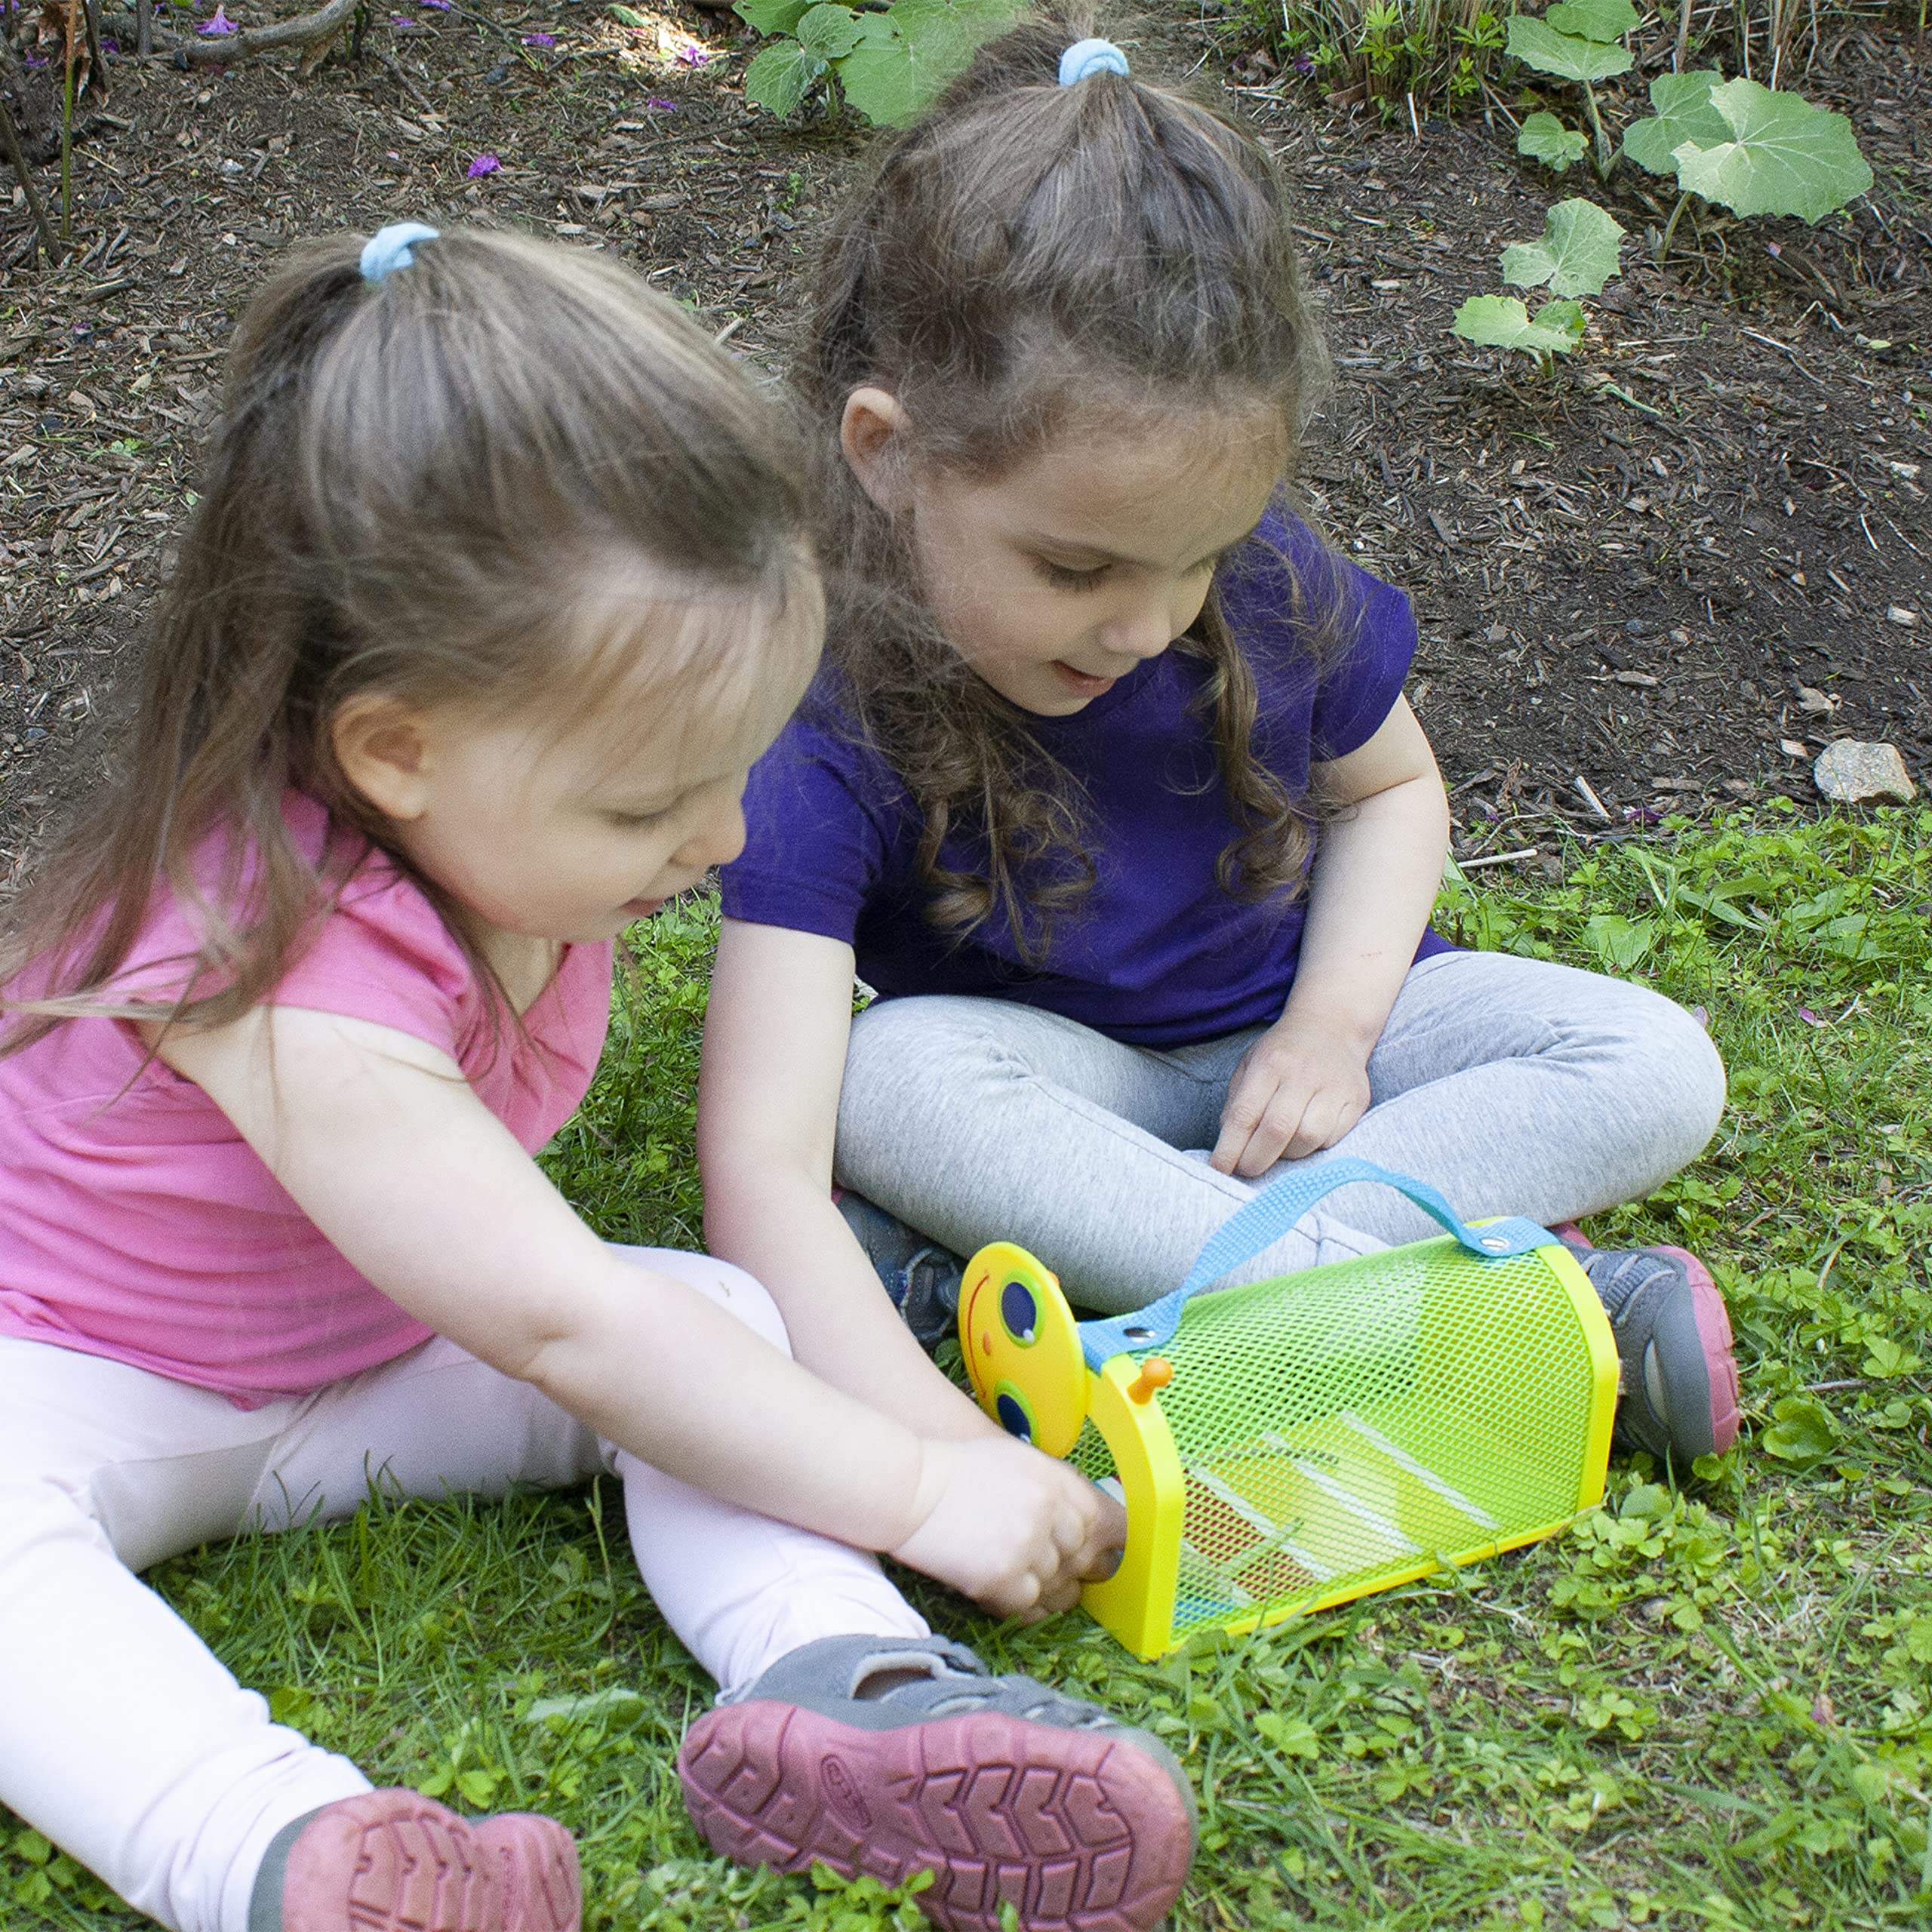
{"points": [[392, 1861], [542, 1886], [1078, 1832], [1714, 1337]]}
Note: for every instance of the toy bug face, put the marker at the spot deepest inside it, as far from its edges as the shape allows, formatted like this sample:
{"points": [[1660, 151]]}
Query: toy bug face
{"points": [[1022, 1348]]}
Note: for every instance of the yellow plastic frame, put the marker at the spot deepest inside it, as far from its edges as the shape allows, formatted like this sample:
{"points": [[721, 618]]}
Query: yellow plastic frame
{"points": [[1136, 1603]]}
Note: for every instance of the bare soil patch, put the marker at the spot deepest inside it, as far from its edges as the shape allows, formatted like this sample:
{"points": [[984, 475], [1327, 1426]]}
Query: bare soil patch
{"points": [[1674, 569]]}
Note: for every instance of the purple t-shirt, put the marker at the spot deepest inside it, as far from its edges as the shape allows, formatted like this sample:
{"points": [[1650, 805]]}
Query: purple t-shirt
{"points": [[1156, 954]]}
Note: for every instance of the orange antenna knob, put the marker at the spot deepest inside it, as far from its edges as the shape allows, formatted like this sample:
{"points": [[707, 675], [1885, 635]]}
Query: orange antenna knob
{"points": [[1156, 1372]]}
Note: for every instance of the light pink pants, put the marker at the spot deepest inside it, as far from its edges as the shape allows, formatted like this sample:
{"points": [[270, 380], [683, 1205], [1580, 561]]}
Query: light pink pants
{"points": [[125, 1741]]}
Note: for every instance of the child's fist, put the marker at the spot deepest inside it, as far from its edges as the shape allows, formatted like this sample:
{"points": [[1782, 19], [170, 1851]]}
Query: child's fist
{"points": [[1010, 1528]]}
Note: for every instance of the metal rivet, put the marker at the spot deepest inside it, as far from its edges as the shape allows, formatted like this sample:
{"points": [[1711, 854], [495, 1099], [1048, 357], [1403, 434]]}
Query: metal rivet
{"points": [[1496, 1244]]}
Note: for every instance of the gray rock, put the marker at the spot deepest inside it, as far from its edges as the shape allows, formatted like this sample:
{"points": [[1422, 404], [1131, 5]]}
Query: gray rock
{"points": [[1854, 773]]}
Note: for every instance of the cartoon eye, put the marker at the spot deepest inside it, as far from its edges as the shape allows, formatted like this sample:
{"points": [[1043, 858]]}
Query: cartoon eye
{"points": [[1021, 1311], [1013, 1416]]}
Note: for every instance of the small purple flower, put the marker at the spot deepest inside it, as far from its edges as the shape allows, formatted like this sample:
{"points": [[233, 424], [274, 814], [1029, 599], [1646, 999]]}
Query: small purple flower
{"points": [[694, 56], [440, 6], [401, 21], [217, 23], [36, 61], [109, 44], [1809, 1018], [539, 40], [1303, 63], [484, 164], [657, 102]]}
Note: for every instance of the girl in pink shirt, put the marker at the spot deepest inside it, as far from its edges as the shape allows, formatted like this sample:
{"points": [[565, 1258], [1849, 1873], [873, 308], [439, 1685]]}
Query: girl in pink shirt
{"points": [[495, 591]]}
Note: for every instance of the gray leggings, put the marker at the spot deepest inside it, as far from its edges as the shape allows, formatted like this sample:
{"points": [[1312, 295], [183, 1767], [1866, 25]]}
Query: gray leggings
{"points": [[1514, 1086]]}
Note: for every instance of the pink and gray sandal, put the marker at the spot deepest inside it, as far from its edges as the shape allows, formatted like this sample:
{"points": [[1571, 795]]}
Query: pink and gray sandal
{"points": [[1678, 1397], [881, 1756], [395, 1861]]}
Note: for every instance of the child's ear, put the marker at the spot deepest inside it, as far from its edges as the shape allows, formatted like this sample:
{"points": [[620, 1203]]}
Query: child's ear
{"points": [[873, 432], [382, 746]]}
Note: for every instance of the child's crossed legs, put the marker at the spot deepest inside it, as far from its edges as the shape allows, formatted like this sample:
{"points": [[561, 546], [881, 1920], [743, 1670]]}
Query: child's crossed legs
{"points": [[1514, 1086], [128, 1744]]}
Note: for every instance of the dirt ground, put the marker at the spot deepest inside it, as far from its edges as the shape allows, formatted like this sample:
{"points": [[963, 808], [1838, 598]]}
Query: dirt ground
{"points": [[1671, 571]]}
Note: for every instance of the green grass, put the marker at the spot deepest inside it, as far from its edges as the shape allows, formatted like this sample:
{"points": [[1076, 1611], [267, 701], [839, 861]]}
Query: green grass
{"points": [[1703, 1708]]}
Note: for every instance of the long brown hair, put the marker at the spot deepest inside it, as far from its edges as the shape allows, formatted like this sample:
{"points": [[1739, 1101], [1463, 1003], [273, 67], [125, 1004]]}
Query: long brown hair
{"points": [[443, 487], [1028, 257]]}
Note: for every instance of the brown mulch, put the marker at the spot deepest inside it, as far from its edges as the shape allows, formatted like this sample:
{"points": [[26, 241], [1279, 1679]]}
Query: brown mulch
{"points": [[1672, 570]]}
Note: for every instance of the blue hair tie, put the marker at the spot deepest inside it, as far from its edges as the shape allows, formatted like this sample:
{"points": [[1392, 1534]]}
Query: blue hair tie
{"points": [[392, 247], [1090, 57]]}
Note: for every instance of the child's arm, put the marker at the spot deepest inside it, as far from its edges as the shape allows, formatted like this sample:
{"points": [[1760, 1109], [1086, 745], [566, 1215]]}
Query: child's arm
{"points": [[774, 1060], [1377, 868], [382, 1144]]}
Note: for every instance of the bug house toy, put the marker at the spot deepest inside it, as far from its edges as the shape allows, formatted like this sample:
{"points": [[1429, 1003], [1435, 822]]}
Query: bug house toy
{"points": [[1290, 1444]]}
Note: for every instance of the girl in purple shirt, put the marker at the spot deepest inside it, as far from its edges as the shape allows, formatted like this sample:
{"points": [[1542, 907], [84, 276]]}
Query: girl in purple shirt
{"points": [[1108, 792], [497, 587]]}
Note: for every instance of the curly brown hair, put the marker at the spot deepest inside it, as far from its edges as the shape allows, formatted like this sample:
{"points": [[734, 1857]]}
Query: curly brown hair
{"points": [[1025, 259]]}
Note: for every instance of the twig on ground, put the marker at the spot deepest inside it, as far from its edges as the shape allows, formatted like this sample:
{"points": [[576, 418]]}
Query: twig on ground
{"points": [[11, 135], [1495, 859], [1581, 785]]}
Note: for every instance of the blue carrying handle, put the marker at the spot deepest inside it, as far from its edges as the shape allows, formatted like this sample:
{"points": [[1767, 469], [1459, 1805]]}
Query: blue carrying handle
{"points": [[1273, 1213]]}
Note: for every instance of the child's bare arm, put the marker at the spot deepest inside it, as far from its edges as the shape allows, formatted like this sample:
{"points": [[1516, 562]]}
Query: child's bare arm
{"points": [[1304, 1083], [774, 1059], [382, 1144]]}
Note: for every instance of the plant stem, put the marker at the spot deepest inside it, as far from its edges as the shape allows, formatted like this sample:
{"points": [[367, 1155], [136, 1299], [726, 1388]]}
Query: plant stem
{"points": [[1606, 160], [67, 145], [1670, 227]]}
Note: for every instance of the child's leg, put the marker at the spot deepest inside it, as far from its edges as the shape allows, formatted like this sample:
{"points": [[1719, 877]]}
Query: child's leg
{"points": [[124, 1741], [1517, 1087], [979, 1119], [742, 1590], [1514, 1086]]}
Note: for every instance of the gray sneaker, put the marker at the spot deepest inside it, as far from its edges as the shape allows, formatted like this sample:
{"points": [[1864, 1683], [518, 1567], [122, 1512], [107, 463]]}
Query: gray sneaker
{"points": [[922, 1278], [892, 1756], [1679, 1387]]}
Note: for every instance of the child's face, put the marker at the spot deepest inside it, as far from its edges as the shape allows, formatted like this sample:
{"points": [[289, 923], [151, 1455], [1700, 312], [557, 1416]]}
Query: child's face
{"points": [[1066, 571], [570, 832]]}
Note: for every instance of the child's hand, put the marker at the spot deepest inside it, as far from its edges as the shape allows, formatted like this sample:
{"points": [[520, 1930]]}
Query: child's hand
{"points": [[1010, 1528], [1298, 1089]]}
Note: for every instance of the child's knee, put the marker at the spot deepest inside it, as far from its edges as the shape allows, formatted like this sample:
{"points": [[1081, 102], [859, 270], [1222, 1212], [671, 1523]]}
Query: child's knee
{"points": [[720, 1281], [1683, 1073]]}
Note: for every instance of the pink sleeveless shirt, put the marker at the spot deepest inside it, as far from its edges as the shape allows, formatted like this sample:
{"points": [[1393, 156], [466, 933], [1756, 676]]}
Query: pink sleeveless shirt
{"points": [[135, 1222]]}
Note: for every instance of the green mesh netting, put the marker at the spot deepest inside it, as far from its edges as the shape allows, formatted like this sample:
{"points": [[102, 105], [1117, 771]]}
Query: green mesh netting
{"points": [[1349, 1423]]}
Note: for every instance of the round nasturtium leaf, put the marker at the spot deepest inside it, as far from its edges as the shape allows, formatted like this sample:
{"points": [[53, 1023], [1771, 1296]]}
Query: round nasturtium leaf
{"points": [[778, 79], [1501, 321], [1568, 56], [1576, 256], [1683, 113], [1544, 138], [1785, 157], [1593, 20]]}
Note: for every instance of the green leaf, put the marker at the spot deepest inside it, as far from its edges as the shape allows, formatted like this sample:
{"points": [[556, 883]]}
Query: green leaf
{"points": [[1544, 138], [627, 16], [1593, 20], [830, 33], [904, 57], [1618, 941], [1803, 1433], [777, 80], [772, 16], [1576, 256], [1294, 1736], [1785, 157], [1683, 113], [1568, 56], [1501, 321]]}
